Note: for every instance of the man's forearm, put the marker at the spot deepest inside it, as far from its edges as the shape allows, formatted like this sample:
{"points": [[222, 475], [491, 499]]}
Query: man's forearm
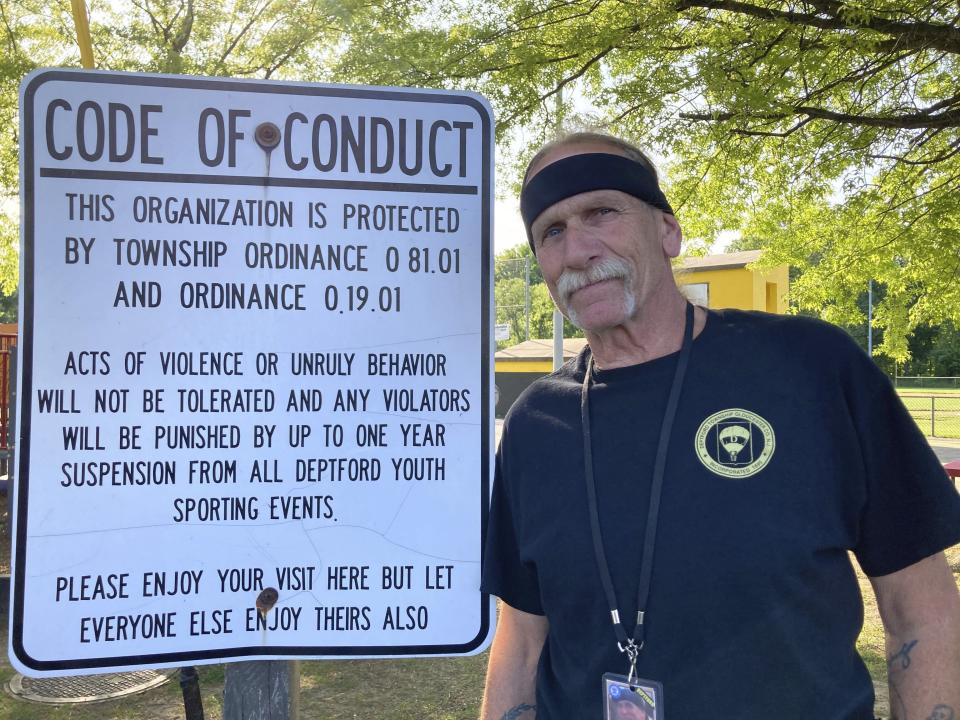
{"points": [[510, 692], [521, 709], [924, 674], [920, 608]]}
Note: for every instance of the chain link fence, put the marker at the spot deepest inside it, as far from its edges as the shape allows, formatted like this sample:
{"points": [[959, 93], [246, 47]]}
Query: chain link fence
{"points": [[514, 311], [936, 415], [926, 382]]}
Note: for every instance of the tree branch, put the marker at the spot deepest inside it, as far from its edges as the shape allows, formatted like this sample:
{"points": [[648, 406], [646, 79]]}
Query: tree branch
{"points": [[929, 161], [770, 46], [243, 31], [768, 133], [908, 121], [555, 21], [182, 37], [916, 35], [864, 73], [507, 66], [291, 51], [569, 79], [11, 35], [157, 27]]}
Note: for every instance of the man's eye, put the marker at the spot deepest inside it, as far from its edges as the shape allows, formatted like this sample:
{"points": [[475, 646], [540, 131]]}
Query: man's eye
{"points": [[603, 211], [550, 233]]}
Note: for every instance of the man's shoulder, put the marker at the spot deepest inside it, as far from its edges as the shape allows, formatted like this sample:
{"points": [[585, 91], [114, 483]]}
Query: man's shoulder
{"points": [[789, 332], [548, 396]]}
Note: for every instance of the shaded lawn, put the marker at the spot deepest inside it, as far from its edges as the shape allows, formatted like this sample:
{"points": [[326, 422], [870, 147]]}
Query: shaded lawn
{"points": [[433, 689]]}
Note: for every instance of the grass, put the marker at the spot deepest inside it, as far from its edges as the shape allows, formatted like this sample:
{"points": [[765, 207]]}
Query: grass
{"points": [[928, 391], [946, 407], [160, 703], [434, 689]]}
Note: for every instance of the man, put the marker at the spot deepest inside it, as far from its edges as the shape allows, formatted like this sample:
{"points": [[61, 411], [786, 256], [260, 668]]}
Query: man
{"points": [[678, 504], [629, 707]]}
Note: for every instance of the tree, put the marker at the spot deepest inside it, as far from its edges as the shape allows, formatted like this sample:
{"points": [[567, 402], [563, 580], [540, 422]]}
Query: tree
{"points": [[288, 39], [934, 351], [945, 356], [510, 310], [514, 261], [24, 41], [829, 129], [511, 298]]}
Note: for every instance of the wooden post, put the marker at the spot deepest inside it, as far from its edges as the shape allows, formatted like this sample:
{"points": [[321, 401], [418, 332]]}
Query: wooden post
{"points": [[190, 688], [83, 32], [262, 690]]}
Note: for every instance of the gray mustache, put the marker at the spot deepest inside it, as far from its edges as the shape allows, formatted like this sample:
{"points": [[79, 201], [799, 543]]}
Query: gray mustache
{"points": [[607, 269]]}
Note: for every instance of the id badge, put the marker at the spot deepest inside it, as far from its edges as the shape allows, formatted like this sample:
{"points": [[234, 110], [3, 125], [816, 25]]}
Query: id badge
{"points": [[631, 699]]}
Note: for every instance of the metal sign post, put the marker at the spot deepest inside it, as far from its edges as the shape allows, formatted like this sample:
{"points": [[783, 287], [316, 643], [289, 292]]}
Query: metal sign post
{"points": [[255, 387]]}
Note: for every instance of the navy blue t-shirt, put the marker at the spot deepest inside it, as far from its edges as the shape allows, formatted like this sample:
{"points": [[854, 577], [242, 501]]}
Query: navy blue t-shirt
{"points": [[790, 448]]}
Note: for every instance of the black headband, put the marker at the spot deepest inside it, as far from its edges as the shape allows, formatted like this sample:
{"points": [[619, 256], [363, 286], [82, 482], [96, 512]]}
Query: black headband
{"points": [[582, 173]]}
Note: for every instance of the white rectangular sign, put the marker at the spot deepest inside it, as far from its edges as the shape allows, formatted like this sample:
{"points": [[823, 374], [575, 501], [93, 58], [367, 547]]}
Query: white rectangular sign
{"points": [[254, 372]]}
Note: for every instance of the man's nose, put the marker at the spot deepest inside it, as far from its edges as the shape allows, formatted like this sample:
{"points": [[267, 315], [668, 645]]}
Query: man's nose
{"points": [[582, 246]]}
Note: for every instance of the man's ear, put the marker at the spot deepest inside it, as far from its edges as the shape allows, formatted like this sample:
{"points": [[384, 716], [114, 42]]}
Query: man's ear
{"points": [[671, 236]]}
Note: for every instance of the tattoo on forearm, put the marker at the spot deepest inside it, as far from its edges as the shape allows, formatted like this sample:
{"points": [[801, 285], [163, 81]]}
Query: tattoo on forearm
{"points": [[902, 657], [942, 712], [514, 713], [897, 664]]}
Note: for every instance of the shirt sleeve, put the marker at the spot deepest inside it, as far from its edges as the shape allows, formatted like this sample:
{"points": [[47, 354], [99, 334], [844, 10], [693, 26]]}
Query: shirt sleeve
{"points": [[912, 509], [504, 574]]}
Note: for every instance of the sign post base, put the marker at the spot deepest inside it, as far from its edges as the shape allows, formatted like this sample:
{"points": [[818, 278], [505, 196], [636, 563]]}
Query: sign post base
{"points": [[262, 689]]}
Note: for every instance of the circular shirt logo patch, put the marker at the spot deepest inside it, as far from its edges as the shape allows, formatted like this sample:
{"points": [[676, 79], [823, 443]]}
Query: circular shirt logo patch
{"points": [[735, 443]]}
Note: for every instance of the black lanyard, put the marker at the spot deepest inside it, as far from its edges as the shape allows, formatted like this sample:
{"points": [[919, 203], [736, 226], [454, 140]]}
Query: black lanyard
{"points": [[632, 645]]}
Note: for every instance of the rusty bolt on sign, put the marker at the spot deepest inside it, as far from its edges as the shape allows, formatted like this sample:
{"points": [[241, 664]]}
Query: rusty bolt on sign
{"points": [[266, 600], [267, 135]]}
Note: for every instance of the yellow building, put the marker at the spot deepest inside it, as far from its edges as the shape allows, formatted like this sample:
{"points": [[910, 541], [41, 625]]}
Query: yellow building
{"points": [[725, 281], [535, 356], [519, 365]]}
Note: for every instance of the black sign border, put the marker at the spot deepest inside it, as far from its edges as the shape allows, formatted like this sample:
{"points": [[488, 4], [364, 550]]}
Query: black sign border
{"points": [[25, 364]]}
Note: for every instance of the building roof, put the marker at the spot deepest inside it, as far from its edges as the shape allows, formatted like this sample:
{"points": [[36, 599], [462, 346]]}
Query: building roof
{"points": [[540, 350], [727, 261]]}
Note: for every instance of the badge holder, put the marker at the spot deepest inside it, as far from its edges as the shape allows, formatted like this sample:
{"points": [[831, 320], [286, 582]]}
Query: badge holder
{"points": [[631, 698]]}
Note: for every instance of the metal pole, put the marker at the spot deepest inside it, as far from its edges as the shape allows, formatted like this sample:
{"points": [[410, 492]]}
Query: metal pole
{"points": [[526, 291], [933, 412], [870, 318], [557, 317], [83, 32], [557, 339]]}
